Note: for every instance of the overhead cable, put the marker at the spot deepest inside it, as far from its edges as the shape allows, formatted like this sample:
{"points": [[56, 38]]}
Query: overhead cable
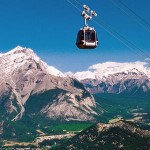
{"points": [[116, 35], [132, 14]]}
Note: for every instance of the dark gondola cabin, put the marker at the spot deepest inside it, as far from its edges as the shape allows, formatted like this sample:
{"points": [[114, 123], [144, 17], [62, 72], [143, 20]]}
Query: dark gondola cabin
{"points": [[87, 38]]}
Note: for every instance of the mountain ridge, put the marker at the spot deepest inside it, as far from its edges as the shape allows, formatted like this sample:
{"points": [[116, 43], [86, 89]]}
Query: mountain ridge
{"points": [[117, 135], [120, 83], [103, 70], [117, 78]]}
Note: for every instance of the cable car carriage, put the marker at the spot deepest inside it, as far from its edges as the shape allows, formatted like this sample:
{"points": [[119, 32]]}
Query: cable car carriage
{"points": [[87, 36]]}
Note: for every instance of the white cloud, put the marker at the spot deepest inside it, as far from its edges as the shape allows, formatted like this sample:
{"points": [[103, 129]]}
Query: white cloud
{"points": [[104, 69], [147, 59], [115, 67]]}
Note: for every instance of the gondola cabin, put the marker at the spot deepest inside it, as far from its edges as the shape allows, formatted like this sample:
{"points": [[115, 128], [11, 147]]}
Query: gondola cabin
{"points": [[87, 38]]}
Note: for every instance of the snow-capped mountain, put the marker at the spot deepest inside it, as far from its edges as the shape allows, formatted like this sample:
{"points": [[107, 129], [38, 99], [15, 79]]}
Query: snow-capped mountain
{"points": [[20, 56], [113, 77], [102, 70], [29, 86]]}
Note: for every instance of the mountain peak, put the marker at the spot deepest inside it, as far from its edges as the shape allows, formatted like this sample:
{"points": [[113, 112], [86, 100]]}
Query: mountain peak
{"points": [[21, 56], [19, 49]]}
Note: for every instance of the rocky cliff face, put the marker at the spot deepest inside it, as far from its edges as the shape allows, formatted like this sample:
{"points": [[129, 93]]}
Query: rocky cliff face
{"points": [[25, 80], [119, 135]]}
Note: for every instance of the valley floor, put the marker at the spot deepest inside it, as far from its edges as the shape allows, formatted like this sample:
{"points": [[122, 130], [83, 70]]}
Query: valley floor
{"points": [[117, 107]]}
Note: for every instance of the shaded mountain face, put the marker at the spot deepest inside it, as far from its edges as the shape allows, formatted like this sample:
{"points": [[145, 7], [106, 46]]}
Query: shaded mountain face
{"points": [[132, 82], [119, 135], [28, 86]]}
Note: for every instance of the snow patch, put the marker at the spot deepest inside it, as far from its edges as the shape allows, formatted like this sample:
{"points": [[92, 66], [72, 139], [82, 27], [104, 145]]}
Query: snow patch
{"points": [[52, 70], [82, 75], [1, 54], [69, 73]]}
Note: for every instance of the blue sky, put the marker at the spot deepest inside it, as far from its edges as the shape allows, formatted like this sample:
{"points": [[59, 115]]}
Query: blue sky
{"points": [[50, 28]]}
